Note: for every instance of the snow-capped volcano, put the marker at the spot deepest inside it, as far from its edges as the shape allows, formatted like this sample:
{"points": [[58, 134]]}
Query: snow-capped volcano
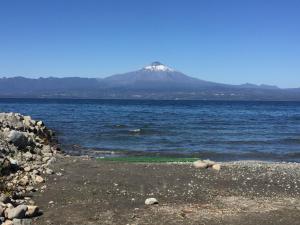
{"points": [[153, 77], [157, 66]]}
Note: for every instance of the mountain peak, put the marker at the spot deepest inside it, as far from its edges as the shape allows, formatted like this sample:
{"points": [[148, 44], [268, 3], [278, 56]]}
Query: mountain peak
{"points": [[157, 66]]}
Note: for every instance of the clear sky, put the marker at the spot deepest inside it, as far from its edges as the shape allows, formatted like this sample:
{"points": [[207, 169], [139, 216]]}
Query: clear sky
{"points": [[232, 41]]}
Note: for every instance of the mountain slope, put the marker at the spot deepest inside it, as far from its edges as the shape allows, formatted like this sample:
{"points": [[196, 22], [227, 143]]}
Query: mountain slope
{"points": [[156, 77]]}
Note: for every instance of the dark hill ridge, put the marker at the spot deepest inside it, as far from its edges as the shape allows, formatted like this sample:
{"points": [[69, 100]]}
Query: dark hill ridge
{"points": [[156, 81]]}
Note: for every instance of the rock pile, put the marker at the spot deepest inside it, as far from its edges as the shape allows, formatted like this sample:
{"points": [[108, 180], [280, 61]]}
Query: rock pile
{"points": [[27, 148]]}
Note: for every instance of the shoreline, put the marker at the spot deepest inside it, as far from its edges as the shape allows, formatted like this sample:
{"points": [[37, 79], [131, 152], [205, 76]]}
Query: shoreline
{"points": [[216, 156]]}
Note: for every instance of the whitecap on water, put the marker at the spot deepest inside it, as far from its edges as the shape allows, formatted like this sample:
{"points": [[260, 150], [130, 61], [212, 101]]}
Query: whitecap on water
{"points": [[135, 130]]}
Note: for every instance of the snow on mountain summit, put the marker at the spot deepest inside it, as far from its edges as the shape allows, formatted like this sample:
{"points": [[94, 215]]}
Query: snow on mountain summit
{"points": [[157, 66]]}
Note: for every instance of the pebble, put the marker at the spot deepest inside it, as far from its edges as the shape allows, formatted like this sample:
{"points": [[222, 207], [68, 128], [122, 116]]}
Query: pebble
{"points": [[39, 179], [27, 169], [24, 181]]}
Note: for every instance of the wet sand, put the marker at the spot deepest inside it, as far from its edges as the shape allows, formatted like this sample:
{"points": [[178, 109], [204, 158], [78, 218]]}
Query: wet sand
{"points": [[99, 192]]}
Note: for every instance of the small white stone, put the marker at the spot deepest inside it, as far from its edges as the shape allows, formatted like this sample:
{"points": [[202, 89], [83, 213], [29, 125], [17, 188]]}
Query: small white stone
{"points": [[151, 201], [49, 171]]}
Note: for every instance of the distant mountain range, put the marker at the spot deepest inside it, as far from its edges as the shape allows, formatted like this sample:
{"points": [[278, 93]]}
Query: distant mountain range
{"points": [[155, 81]]}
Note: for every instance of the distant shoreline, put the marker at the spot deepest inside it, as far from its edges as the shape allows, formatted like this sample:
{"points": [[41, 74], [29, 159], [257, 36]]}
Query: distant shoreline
{"points": [[154, 100]]}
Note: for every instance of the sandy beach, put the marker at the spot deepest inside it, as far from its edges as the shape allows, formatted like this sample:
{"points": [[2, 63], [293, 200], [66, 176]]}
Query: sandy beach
{"points": [[89, 191]]}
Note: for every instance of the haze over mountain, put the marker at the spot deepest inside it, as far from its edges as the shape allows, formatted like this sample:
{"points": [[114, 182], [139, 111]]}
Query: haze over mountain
{"points": [[156, 81]]}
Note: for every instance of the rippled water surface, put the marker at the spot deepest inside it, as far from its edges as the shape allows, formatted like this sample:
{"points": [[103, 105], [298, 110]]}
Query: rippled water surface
{"points": [[258, 130]]}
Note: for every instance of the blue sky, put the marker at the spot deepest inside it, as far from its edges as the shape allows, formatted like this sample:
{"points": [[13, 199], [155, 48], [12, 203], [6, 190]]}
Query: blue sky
{"points": [[230, 41]]}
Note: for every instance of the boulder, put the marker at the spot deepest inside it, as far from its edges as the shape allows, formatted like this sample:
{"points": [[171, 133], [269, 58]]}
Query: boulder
{"points": [[17, 212], [18, 138], [199, 164]]}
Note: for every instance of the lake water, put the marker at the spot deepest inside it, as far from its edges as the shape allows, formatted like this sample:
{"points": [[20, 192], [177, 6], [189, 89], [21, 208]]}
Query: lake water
{"points": [[212, 129]]}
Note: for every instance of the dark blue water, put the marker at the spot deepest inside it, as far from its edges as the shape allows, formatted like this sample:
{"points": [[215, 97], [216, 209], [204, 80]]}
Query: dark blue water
{"points": [[223, 130]]}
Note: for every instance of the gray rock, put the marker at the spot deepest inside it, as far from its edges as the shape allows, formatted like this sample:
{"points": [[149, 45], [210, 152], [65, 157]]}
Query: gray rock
{"points": [[18, 138], [17, 212], [5, 199]]}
